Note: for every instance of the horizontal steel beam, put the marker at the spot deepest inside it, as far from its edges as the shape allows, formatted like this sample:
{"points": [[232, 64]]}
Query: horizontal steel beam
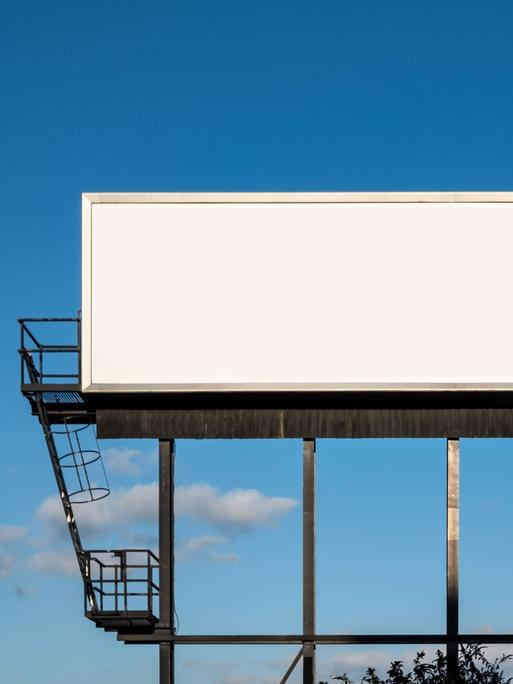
{"points": [[50, 387], [163, 635], [259, 422]]}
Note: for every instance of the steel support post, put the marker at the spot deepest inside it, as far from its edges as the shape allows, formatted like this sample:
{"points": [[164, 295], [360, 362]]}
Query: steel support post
{"points": [[166, 556], [308, 559], [453, 534]]}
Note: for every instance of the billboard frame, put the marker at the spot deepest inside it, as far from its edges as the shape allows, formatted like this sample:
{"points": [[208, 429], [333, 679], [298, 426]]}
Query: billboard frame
{"points": [[90, 199]]}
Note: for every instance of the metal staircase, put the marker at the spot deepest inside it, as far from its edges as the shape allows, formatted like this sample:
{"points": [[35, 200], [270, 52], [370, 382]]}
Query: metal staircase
{"points": [[120, 586], [59, 478]]}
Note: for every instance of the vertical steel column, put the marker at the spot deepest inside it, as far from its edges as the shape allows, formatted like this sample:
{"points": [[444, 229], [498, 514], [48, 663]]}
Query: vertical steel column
{"points": [[308, 558], [166, 555], [453, 534]]}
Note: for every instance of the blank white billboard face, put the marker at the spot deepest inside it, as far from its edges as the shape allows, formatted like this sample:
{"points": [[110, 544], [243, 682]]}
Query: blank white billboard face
{"points": [[292, 292]]}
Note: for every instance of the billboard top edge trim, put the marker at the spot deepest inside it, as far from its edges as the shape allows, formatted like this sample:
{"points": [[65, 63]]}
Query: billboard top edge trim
{"points": [[292, 197]]}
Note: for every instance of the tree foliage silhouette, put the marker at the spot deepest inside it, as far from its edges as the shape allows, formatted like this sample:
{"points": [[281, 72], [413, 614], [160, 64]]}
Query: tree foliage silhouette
{"points": [[473, 668]]}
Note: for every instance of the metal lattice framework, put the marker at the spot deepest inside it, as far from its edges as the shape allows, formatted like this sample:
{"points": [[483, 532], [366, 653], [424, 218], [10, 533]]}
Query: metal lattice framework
{"points": [[121, 588]]}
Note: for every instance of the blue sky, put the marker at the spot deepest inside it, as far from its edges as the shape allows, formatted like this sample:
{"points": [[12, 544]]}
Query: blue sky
{"points": [[239, 96]]}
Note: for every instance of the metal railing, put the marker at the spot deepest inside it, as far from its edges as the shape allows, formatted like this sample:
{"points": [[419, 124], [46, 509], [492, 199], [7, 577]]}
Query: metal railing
{"points": [[81, 461], [35, 353], [123, 581]]}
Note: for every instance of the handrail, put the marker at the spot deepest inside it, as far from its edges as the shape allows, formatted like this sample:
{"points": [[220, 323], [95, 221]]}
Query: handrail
{"points": [[51, 348], [33, 351], [25, 329], [149, 552], [112, 585], [49, 320]]}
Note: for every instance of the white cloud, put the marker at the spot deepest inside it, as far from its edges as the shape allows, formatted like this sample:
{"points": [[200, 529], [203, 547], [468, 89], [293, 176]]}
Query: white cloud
{"points": [[230, 672], [141, 540], [483, 629], [200, 543], [351, 661], [138, 504], [237, 510], [218, 671], [125, 461], [11, 533], [6, 565], [206, 545], [54, 563], [226, 557]]}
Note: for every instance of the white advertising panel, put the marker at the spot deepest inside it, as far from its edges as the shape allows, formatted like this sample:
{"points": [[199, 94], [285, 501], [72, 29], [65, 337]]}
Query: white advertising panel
{"points": [[297, 292]]}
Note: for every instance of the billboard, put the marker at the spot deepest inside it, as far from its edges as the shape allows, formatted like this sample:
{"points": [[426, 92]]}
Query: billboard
{"points": [[297, 292]]}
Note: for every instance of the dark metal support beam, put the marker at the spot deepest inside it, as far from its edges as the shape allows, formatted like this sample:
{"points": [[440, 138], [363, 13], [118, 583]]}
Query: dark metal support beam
{"points": [[166, 662], [292, 667], [278, 417], [160, 636], [308, 558], [166, 556], [453, 534]]}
